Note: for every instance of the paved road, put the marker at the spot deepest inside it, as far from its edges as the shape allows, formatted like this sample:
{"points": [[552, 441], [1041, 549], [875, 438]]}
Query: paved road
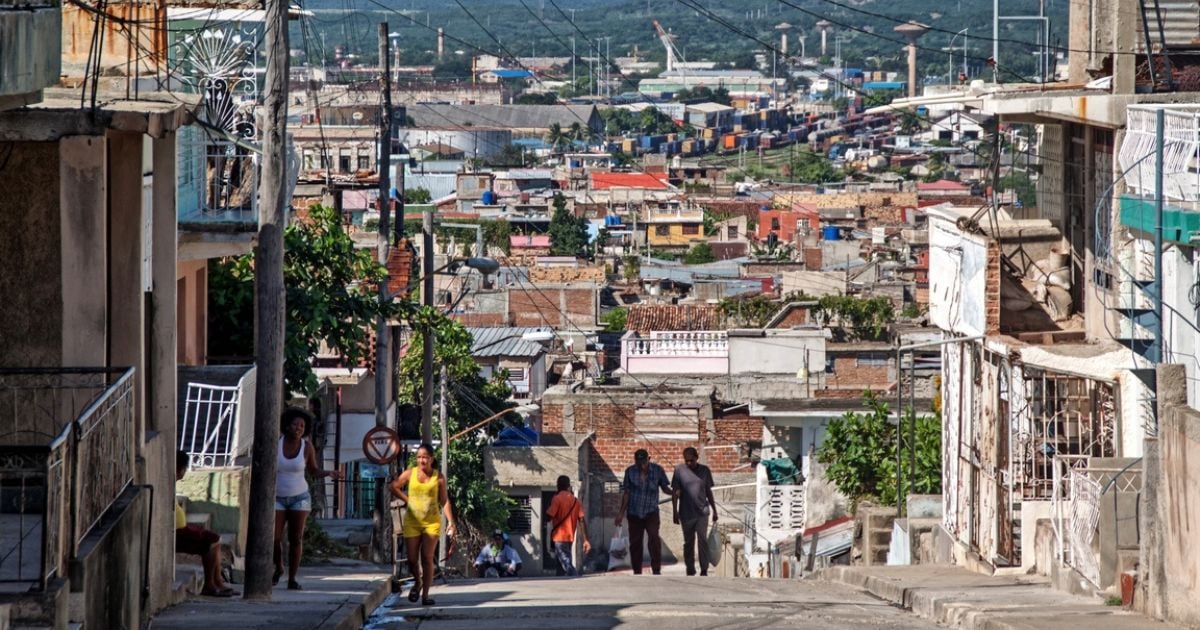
{"points": [[652, 602]]}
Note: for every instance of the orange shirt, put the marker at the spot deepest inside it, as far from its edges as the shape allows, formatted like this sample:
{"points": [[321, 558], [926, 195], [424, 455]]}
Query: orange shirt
{"points": [[566, 508]]}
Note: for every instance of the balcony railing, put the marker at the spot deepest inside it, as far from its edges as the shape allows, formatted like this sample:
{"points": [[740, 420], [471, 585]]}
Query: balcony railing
{"points": [[216, 418], [682, 352], [66, 454], [1181, 148]]}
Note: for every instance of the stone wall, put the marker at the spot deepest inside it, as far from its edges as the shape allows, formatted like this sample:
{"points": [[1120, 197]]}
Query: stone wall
{"points": [[560, 275]]}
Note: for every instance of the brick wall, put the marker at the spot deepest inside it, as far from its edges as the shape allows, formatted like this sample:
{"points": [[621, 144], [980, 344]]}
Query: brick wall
{"points": [[560, 307], [847, 373], [562, 275], [813, 258], [480, 319], [992, 289], [849, 200], [797, 316]]}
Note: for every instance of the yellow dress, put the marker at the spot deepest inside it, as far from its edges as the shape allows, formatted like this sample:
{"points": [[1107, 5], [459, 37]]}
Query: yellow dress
{"points": [[422, 515]]}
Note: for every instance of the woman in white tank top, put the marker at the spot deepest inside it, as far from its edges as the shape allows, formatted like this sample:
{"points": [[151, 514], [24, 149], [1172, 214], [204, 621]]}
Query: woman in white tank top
{"points": [[295, 457]]}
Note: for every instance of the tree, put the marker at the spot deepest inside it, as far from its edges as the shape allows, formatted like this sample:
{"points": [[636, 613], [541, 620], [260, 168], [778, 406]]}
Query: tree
{"points": [[614, 320], [577, 133], [477, 500], [417, 195], [556, 136], [331, 298], [568, 233], [509, 155], [700, 254], [860, 453], [537, 98]]}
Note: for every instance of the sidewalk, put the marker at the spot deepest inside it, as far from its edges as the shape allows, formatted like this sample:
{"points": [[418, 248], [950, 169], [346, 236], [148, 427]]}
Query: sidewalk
{"points": [[336, 596], [959, 598]]}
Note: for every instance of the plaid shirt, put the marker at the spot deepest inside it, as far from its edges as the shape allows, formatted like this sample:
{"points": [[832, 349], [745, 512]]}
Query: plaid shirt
{"points": [[643, 492]]}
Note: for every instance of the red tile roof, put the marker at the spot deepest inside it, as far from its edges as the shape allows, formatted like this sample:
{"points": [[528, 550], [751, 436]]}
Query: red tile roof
{"points": [[602, 181], [941, 184], [645, 318]]}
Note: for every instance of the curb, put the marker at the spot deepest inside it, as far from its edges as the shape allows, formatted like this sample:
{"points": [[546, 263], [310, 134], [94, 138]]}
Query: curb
{"points": [[352, 616]]}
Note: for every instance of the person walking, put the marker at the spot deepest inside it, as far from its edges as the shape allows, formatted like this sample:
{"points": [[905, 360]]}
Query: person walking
{"points": [[639, 501], [423, 492], [565, 512], [692, 501], [292, 500]]}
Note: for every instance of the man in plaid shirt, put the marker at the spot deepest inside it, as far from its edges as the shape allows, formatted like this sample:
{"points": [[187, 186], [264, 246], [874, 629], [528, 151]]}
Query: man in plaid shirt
{"points": [[639, 500]]}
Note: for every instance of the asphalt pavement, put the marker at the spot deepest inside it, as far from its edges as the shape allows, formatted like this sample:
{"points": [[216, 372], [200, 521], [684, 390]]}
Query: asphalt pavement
{"points": [[658, 602]]}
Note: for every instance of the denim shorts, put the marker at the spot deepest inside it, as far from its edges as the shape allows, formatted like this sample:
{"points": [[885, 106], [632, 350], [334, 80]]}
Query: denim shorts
{"points": [[296, 503]]}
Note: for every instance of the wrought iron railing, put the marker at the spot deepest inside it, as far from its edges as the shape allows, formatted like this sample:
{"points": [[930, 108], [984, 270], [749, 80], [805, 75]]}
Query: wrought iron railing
{"points": [[66, 453]]}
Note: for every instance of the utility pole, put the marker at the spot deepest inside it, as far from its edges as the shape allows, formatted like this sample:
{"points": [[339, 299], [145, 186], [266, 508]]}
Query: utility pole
{"points": [[427, 334], [443, 425], [383, 373], [270, 307]]}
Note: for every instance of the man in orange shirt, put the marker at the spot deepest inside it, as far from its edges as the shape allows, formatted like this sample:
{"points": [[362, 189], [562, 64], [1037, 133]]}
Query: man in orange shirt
{"points": [[565, 513]]}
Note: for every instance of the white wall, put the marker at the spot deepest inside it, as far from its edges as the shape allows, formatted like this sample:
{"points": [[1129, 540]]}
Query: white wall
{"points": [[957, 278], [779, 352]]}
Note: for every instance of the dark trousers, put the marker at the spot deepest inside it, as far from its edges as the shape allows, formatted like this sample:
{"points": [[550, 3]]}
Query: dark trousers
{"points": [[695, 531], [647, 525]]}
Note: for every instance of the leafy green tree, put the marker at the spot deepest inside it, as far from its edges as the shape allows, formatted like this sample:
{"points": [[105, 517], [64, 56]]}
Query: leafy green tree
{"points": [[615, 320], [568, 233], [417, 195], [860, 453], [470, 398], [700, 254], [631, 268], [331, 299], [860, 318], [557, 137], [537, 98], [453, 67], [509, 155], [1022, 185]]}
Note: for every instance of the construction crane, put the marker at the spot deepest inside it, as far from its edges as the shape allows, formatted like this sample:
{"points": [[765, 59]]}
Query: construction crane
{"points": [[668, 42]]}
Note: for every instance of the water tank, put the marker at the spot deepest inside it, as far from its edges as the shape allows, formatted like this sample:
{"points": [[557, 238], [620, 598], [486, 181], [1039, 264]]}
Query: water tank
{"points": [[489, 198], [831, 233]]}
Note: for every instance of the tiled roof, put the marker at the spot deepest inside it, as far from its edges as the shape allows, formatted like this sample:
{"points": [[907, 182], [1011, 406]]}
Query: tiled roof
{"points": [[941, 184], [399, 264], [604, 181], [644, 318]]}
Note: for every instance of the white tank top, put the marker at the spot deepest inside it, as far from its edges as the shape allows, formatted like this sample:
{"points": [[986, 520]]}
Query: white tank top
{"points": [[289, 476]]}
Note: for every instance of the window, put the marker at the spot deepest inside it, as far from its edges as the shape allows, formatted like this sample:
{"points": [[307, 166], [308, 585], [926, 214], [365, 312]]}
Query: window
{"points": [[662, 230], [364, 162], [344, 163], [871, 359], [731, 232], [691, 229], [774, 223], [520, 516], [516, 373]]}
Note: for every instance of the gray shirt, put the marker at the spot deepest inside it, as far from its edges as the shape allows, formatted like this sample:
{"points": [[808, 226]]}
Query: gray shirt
{"points": [[693, 486]]}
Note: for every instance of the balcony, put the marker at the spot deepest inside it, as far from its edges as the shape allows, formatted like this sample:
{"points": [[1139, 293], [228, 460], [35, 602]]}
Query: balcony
{"points": [[66, 453], [1181, 170], [676, 352], [216, 414], [31, 57]]}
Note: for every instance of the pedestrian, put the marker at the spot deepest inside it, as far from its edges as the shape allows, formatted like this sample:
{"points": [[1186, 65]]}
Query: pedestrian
{"points": [[692, 501], [423, 491], [565, 513], [639, 500], [199, 541], [499, 557], [292, 501]]}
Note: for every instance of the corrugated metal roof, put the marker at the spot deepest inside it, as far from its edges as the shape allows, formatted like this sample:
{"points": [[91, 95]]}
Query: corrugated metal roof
{"points": [[1181, 24], [504, 342]]}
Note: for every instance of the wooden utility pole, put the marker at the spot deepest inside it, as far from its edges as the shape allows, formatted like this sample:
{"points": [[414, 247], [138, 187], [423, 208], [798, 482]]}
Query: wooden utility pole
{"points": [[427, 335], [383, 332], [269, 307]]}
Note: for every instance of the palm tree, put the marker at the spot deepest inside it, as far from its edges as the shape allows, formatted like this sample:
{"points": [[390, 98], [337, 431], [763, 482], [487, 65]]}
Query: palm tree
{"points": [[577, 133], [555, 136]]}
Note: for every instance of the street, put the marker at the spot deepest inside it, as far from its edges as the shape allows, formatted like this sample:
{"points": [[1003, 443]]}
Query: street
{"points": [[622, 600]]}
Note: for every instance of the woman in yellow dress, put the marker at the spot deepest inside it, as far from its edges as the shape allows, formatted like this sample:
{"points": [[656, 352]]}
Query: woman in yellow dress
{"points": [[423, 490]]}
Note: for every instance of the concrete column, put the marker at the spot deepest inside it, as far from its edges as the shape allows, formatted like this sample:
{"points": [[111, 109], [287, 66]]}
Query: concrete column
{"points": [[912, 69], [160, 377], [1123, 14], [126, 324], [82, 195]]}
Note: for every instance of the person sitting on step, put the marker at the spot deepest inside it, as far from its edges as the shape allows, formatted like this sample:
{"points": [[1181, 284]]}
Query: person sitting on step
{"points": [[198, 541], [499, 557]]}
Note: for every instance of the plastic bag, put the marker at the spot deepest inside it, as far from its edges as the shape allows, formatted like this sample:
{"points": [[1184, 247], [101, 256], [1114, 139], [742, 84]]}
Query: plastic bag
{"points": [[714, 545], [618, 550]]}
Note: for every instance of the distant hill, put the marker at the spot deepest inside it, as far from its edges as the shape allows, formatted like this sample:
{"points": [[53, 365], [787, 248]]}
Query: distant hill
{"points": [[538, 27]]}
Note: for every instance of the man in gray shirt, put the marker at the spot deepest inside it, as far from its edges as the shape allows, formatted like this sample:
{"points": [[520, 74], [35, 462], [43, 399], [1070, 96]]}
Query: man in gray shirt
{"points": [[692, 500]]}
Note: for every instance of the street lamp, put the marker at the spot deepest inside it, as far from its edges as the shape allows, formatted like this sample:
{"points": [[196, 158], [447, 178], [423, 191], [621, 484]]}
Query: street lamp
{"points": [[950, 66]]}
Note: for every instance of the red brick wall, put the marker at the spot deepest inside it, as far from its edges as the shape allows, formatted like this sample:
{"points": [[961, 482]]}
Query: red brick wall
{"points": [[813, 258], [848, 374], [992, 289], [561, 307], [794, 317]]}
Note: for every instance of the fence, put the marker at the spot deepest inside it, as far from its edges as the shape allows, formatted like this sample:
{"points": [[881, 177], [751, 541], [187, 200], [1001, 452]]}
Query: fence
{"points": [[353, 498], [66, 454], [1078, 491]]}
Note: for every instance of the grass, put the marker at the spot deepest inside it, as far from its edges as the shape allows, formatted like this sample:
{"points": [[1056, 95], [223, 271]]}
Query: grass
{"points": [[1113, 600]]}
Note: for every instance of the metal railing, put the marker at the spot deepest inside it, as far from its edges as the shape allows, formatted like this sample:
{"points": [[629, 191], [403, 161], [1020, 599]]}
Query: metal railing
{"points": [[216, 426], [678, 344], [353, 499], [66, 454]]}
